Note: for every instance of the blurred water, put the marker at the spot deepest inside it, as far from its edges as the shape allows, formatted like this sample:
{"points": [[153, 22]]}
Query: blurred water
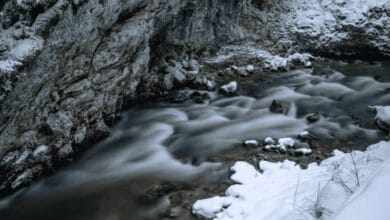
{"points": [[155, 143]]}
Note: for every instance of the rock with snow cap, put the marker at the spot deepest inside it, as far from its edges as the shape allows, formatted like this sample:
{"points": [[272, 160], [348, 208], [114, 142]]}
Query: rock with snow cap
{"points": [[269, 140], [229, 89], [251, 143], [382, 117]]}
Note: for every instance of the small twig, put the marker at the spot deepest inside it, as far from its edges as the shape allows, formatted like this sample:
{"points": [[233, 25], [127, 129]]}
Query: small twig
{"points": [[355, 170], [296, 190]]}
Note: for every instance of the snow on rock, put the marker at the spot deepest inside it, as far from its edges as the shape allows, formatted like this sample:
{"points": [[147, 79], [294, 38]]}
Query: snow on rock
{"points": [[273, 147], [283, 144], [285, 191], [209, 207], [269, 62], [41, 153], [286, 142], [250, 68], [251, 143], [304, 135], [22, 178], [303, 151], [269, 140], [382, 116], [20, 42], [229, 89]]}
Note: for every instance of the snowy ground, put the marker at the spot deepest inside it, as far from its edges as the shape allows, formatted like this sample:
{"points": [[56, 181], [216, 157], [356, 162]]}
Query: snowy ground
{"points": [[371, 201], [285, 191]]}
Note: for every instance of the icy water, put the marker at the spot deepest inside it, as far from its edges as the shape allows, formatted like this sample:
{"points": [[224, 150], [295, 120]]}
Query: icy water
{"points": [[172, 143]]}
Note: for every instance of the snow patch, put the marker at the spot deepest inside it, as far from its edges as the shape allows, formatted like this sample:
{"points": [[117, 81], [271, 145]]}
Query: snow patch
{"points": [[285, 191]]}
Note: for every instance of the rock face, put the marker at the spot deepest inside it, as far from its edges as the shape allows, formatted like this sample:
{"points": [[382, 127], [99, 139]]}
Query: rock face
{"points": [[69, 67], [342, 28], [77, 64]]}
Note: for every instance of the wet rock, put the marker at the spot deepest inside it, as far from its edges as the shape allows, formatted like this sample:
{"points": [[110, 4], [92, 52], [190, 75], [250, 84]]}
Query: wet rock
{"points": [[178, 76], [193, 65], [23, 158], [26, 177], [313, 117], [196, 97], [229, 89], [168, 82], [65, 152], [192, 74], [10, 158], [80, 135], [239, 71], [276, 107], [178, 96], [41, 153], [203, 82]]}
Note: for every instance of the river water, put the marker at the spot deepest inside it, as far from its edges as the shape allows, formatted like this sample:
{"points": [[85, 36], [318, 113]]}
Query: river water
{"points": [[121, 177]]}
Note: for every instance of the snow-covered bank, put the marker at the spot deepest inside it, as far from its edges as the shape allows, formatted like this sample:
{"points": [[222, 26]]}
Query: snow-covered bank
{"points": [[371, 200], [285, 191]]}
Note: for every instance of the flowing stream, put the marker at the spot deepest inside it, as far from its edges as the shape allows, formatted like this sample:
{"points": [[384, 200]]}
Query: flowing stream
{"points": [[159, 143]]}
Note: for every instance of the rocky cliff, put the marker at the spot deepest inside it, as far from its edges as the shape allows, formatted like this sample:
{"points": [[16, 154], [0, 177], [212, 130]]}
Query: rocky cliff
{"points": [[69, 67]]}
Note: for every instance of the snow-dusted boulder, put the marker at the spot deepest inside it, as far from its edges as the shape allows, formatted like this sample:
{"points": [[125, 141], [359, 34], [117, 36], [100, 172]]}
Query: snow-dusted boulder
{"points": [[382, 117], [229, 89]]}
